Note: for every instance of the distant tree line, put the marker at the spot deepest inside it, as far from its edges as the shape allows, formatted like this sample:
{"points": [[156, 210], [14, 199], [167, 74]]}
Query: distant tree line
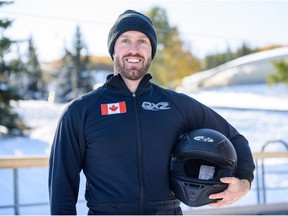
{"points": [[22, 76], [214, 60]]}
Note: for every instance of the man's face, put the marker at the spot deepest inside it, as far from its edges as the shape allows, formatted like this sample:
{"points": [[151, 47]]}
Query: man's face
{"points": [[132, 55]]}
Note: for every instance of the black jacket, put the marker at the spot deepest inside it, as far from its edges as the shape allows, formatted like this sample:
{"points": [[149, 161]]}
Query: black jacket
{"points": [[122, 142]]}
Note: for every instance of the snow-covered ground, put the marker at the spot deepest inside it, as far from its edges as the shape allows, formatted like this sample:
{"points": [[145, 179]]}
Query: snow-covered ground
{"points": [[258, 111], [246, 96], [267, 120]]}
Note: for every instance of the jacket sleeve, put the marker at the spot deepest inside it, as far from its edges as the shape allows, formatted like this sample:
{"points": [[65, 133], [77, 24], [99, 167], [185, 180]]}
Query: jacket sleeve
{"points": [[65, 163], [198, 115]]}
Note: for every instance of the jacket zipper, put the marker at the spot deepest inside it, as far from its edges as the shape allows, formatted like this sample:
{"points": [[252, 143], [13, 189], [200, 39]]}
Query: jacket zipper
{"points": [[139, 156]]}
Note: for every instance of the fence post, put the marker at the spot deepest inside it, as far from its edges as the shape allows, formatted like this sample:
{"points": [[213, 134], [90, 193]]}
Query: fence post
{"points": [[16, 191], [257, 182]]}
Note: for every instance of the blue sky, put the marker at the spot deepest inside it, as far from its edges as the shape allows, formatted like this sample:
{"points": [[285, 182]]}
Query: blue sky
{"points": [[205, 26]]}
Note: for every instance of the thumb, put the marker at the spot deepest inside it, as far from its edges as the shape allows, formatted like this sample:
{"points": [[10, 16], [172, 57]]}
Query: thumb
{"points": [[228, 180]]}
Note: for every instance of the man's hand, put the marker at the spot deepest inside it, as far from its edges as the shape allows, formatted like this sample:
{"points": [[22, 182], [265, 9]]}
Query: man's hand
{"points": [[236, 189]]}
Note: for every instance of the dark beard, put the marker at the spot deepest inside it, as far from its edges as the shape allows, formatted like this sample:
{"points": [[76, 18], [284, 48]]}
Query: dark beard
{"points": [[131, 73]]}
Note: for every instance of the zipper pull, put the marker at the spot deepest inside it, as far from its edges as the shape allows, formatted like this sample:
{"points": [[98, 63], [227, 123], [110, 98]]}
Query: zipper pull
{"points": [[133, 95]]}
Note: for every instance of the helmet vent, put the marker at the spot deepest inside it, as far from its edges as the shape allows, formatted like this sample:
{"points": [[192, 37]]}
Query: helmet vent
{"points": [[222, 144], [191, 185]]}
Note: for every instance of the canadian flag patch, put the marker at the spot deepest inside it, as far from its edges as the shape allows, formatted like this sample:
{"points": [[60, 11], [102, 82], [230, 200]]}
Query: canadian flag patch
{"points": [[113, 108]]}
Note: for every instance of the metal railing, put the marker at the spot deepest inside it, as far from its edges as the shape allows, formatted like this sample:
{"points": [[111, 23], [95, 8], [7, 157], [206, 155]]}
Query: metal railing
{"points": [[17, 163], [260, 167]]}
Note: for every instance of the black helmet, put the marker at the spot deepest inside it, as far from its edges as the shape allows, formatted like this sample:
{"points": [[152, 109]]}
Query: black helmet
{"points": [[198, 161]]}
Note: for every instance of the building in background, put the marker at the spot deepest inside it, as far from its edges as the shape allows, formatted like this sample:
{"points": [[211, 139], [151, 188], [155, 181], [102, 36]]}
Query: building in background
{"points": [[249, 69]]}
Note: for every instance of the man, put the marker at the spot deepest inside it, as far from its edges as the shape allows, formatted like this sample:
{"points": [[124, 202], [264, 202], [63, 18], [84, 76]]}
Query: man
{"points": [[122, 134]]}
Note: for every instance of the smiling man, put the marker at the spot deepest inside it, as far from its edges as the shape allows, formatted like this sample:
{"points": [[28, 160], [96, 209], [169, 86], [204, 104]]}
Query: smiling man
{"points": [[132, 57], [122, 134]]}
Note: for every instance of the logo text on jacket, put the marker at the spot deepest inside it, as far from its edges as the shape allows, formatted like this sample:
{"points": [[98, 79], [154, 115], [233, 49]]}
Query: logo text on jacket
{"points": [[155, 107]]}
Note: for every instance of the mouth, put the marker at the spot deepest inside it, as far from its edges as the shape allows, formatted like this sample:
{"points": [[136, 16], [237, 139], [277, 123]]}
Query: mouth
{"points": [[133, 60]]}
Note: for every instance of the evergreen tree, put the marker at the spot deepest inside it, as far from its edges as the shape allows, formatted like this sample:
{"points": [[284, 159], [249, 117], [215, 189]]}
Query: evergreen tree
{"points": [[36, 87], [64, 89], [244, 50], [74, 79], [9, 120], [217, 59]]}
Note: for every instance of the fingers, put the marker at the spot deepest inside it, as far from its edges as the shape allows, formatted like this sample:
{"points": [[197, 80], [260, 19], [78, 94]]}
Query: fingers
{"points": [[217, 196], [224, 196], [217, 204], [236, 189]]}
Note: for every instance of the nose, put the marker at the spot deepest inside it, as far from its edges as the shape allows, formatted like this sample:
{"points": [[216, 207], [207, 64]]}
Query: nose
{"points": [[133, 47]]}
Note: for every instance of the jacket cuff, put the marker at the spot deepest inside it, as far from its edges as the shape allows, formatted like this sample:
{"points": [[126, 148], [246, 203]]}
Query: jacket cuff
{"points": [[245, 175]]}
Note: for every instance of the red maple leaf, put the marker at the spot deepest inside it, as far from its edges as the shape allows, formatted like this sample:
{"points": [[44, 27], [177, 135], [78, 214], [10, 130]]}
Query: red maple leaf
{"points": [[113, 108]]}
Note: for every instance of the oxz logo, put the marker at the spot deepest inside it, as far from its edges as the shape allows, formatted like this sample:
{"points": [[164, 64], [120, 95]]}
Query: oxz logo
{"points": [[155, 107]]}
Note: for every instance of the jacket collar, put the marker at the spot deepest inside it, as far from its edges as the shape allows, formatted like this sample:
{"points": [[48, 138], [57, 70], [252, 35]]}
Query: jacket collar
{"points": [[115, 82]]}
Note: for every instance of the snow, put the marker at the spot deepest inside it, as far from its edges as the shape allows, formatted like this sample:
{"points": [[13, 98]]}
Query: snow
{"points": [[259, 96], [258, 112]]}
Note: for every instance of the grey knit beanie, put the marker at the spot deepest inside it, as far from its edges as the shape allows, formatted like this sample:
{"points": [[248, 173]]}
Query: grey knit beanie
{"points": [[132, 20]]}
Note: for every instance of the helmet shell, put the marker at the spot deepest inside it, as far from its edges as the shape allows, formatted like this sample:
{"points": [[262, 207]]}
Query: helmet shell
{"points": [[198, 161]]}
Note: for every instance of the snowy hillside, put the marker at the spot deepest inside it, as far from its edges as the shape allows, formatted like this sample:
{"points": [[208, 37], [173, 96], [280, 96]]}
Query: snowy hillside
{"points": [[259, 96], [259, 126]]}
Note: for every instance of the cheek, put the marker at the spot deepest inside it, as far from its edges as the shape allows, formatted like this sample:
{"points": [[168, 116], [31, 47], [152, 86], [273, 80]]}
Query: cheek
{"points": [[118, 51], [147, 52]]}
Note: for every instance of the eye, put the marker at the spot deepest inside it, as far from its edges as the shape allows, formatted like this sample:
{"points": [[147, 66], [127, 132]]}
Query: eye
{"points": [[125, 41], [142, 41]]}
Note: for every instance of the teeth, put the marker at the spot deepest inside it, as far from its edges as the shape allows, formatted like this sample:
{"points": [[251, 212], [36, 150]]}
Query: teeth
{"points": [[133, 60]]}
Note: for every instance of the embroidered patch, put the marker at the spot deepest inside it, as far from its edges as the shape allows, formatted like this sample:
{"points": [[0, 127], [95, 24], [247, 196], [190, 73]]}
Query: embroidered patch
{"points": [[113, 108]]}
